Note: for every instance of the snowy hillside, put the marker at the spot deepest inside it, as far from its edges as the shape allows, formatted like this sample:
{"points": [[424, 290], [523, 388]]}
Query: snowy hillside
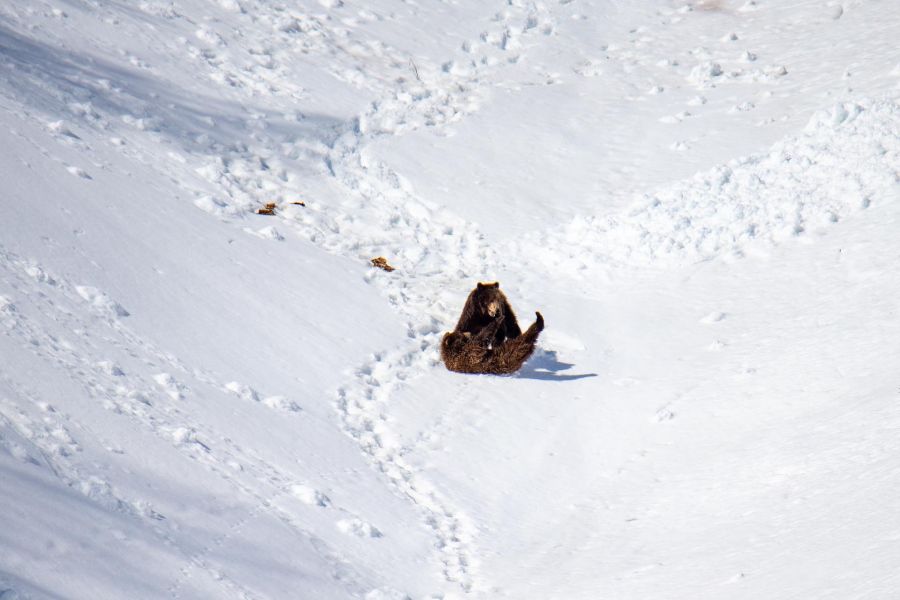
{"points": [[702, 198]]}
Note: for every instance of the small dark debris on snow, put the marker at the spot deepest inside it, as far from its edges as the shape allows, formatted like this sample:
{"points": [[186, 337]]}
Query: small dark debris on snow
{"points": [[268, 209]]}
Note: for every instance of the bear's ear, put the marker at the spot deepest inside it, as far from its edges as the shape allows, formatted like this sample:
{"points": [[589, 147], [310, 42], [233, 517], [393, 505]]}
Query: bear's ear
{"points": [[496, 284], [480, 285]]}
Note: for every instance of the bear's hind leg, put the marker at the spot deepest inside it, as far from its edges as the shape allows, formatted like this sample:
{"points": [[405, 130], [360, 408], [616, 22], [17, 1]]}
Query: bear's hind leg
{"points": [[512, 354]]}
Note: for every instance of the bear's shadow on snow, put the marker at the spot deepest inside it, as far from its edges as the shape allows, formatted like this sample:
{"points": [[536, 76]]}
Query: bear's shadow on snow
{"points": [[545, 365]]}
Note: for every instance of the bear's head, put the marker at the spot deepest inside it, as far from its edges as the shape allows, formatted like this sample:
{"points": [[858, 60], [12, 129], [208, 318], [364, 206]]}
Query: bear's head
{"points": [[489, 299], [452, 342]]}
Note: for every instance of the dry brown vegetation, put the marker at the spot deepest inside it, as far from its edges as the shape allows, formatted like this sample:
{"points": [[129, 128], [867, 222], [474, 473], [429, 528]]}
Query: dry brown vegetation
{"points": [[382, 263], [268, 209]]}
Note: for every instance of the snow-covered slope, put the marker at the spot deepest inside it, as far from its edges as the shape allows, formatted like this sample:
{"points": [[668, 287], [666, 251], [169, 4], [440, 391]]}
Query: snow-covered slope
{"points": [[197, 401]]}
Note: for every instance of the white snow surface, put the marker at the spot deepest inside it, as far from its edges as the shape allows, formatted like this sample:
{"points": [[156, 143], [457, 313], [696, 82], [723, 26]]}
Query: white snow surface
{"points": [[702, 198]]}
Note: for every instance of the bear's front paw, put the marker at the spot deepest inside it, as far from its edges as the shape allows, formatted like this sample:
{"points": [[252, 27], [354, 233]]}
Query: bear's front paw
{"points": [[540, 321]]}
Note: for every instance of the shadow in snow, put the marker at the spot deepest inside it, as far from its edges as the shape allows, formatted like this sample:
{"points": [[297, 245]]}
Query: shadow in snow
{"points": [[545, 365], [54, 80]]}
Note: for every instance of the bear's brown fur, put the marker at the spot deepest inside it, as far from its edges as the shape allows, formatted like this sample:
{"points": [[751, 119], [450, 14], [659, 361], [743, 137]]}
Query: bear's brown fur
{"points": [[465, 352], [483, 306]]}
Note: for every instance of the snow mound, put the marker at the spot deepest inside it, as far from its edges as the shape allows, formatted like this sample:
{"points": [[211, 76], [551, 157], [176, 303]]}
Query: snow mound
{"points": [[845, 157], [100, 301]]}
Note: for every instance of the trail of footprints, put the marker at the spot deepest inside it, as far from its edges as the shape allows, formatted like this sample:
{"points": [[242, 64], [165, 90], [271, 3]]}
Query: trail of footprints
{"points": [[154, 405], [378, 199], [723, 60]]}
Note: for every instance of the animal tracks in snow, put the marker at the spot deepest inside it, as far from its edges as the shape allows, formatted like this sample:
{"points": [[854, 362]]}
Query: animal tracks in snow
{"points": [[100, 301], [310, 496], [359, 528], [258, 131], [157, 404], [251, 395], [170, 385]]}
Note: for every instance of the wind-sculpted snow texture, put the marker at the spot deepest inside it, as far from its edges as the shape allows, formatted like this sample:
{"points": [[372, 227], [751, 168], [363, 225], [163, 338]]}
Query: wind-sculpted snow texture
{"points": [[199, 401]]}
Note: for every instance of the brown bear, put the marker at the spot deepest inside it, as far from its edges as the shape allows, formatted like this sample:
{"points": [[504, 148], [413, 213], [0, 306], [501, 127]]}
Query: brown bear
{"points": [[465, 352], [483, 306]]}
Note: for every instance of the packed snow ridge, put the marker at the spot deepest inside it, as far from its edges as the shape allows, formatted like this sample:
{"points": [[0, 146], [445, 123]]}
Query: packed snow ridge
{"points": [[845, 157]]}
